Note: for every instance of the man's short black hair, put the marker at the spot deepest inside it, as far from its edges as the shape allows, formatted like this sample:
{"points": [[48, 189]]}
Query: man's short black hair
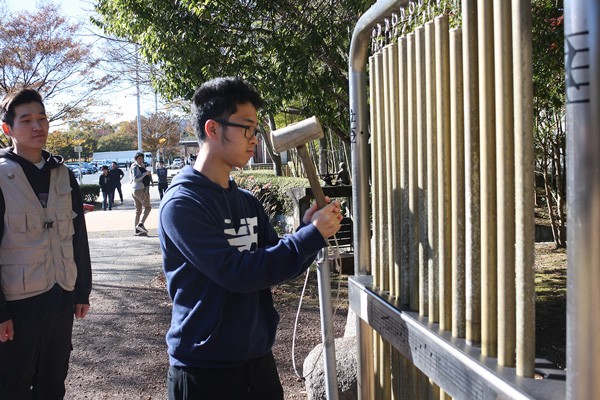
{"points": [[105, 167], [138, 154], [12, 100], [218, 99]]}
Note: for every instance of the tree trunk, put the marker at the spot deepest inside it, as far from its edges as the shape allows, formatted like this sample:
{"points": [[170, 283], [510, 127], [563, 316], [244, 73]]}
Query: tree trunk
{"points": [[560, 196], [277, 169], [553, 222], [323, 155]]}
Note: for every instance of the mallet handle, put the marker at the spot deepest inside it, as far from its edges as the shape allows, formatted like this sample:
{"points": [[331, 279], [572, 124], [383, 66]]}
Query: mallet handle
{"points": [[311, 173]]}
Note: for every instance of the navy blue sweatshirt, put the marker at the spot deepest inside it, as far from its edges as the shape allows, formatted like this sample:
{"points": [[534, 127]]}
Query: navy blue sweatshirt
{"points": [[221, 256]]}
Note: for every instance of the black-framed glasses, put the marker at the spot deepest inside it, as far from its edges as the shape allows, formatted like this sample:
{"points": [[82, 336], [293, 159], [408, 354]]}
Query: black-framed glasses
{"points": [[247, 128]]}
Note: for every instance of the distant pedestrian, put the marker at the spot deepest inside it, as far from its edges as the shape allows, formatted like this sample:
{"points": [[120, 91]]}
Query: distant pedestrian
{"points": [[140, 180], [163, 183], [108, 188], [343, 176], [45, 266], [117, 174]]}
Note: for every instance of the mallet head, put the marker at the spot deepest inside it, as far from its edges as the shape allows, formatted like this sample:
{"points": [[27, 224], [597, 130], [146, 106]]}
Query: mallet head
{"points": [[296, 134]]}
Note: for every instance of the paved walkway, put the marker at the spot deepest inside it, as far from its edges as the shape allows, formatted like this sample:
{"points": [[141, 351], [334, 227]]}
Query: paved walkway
{"points": [[119, 257]]}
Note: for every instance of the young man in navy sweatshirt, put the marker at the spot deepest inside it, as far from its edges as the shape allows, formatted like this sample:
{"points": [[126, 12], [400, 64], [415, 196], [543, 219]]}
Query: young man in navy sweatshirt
{"points": [[221, 256], [45, 269]]}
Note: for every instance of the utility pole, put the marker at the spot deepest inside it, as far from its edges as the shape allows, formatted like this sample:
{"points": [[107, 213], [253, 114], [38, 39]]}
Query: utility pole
{"points": [[137, 86]]}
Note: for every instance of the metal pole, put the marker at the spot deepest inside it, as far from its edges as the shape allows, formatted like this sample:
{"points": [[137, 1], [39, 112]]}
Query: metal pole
{"points": [[326, 310], [79, 155], [582, 64], [357, 60], [137, 87]]}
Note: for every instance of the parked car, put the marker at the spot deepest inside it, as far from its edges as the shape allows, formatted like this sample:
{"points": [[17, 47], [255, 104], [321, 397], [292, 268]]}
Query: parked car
{"points": [[84, 169], [89, 168], [99, 163], [177, 164], [74, 169]]}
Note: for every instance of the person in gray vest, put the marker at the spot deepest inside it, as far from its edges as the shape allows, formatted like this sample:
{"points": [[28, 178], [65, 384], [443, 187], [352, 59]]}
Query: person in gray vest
{"points": [[45, 268]]}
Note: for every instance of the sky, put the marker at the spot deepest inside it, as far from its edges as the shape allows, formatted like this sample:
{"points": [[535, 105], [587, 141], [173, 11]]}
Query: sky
{"points": [[121, 99]]}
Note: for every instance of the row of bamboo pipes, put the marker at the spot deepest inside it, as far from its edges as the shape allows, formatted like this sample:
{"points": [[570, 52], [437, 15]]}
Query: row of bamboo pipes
{"points": [[452, 185]]}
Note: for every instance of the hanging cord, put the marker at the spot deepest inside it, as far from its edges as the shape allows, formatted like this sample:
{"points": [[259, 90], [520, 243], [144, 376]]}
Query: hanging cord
{"points": [[338, 268], [387, 34], [395, 26], [373, 41], [403, 20]]}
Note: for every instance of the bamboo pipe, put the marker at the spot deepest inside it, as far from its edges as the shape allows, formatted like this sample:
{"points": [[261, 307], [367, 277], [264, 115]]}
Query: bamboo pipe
{"points": [[420, 94], [412, 175], [384, 182], [432, 173], [442, 57], [524, 182], [458, 184], [376, 188], [403, 159], [387, 211], [505, 173], [395, 202], [380, 159], [472, 186], [377, 119], [489, 320], [406, 378], [378, 372], [405, 370], [394, 168]]}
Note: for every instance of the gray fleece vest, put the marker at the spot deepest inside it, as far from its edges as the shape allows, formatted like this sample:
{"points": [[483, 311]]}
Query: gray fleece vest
{"points": [[36, 250]]}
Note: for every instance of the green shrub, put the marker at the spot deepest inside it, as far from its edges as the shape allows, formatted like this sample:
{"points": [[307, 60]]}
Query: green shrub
{"points": [[90, 193], [270, 190]]}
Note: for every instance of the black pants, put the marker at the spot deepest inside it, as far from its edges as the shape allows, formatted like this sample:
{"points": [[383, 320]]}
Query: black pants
{"points": [[256, 380], [118, 189], [161, 188], [34, 364]]}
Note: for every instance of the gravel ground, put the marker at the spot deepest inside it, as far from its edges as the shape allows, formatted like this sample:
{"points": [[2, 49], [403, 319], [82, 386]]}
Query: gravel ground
{"points": [[120, 351]]}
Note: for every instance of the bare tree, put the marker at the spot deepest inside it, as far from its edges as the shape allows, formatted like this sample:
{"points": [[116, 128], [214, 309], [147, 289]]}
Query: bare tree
{"points": [[42, 50]]}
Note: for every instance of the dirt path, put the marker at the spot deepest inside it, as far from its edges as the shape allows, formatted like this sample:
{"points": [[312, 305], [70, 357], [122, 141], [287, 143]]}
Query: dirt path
{"points": [[120, 351]]}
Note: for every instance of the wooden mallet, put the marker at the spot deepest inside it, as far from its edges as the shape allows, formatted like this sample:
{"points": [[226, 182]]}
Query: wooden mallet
{"points": [[297, 135]]}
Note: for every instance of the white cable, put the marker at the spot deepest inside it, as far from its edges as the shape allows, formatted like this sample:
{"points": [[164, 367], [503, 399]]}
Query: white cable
{"points": [[296, 325]]}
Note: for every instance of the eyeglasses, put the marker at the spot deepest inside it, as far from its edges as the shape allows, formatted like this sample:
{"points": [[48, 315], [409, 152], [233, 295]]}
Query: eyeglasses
{"points": [[247, 128]]}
